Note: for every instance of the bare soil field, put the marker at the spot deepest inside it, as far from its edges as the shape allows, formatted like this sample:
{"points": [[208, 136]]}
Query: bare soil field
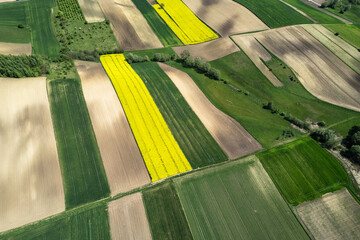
{"points": [[210, 51], [333, 216], [349, 54], [15, 48], [124, 165], [226, 17], [318, 69], [92, 11], [31, 185], [130, 27], [4, 1], [227, 132], [256, 52], [128, 218]]}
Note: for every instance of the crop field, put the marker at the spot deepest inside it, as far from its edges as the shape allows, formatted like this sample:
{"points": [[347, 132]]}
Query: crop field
{"points": [[124, 165], [236, 201], [70, 9], [333, 216], [319, 70], [131, 29], [303, 170], [15, 48], [165, 214], [347, 53], [183, 22], [30, 178], [162, 154], [91, 10], [128, 218], [210, 51], [82, 169], [160, 28], [195, 141], [13, 14], [13, 34], [228, 133], [349, 33], [237, 19]]}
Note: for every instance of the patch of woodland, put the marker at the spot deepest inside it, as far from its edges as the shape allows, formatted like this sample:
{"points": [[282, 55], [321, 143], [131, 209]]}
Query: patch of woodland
{"points": [[340, 5], [23, 66]]}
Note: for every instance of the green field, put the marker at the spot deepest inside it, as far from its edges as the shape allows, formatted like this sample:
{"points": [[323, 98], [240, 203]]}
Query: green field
{"points": [[303, 170], [13, 34], [91, 223], [349, 33], [12, 14], [353, 15], [165, 215], [195, 141], [81, 165], [274, 13], [236, 201], [160, 28]]}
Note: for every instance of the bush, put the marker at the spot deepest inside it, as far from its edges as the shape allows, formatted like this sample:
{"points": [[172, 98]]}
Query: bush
{"points": [[21, 26], [321, 124], [298, 122], [214, 74], [354, 153], [189, 61], [185, 54], [326, 136], [350, 139]]}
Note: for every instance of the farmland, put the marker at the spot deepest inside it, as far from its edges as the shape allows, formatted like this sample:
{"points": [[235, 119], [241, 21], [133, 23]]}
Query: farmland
{"points": [[83, 173], [27, 145], [303, 170], [350, 33], [91, 10], [195, 141], [70, 9], [149, 127], [15, 48], [183, 22], [13, 34], [236, 201], [333, 216], [124, 166]]}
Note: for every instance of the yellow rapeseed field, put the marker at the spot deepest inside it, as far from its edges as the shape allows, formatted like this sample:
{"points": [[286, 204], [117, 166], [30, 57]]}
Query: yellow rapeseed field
{"points": [[183, 22], [162, 154]]}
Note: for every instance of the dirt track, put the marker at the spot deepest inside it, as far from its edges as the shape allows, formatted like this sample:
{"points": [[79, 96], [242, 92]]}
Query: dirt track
{"points": [[128, 218], [15, 48], [31, 185], [124, 166], [210, 51], [92, 11], [319, 70], [228, 133], [225, 16], [130, 27]]}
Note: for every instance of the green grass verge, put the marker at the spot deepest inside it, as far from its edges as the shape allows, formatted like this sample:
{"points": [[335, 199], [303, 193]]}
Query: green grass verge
{"points": [[344, 126], [350, 33], [160, 28], [303, 170], [165, 215], [195, 141], [236, 201], [91, 223], [319, 16], [13, 34], [274, 13], [353, 15], [81, 165]]}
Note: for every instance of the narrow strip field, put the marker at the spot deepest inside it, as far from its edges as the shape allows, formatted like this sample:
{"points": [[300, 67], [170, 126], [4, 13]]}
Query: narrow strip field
{"points": [[333, 216], [228, 133], [83, 173], [31, 186], [183, 22], [303, 170], [165, 214], [128, 218], [195, 141], [91, 10], [131, 29], [349, 33], [225, 16], [210, 51], [236, 201], [162, 154], [15, 48], [124, 166]]}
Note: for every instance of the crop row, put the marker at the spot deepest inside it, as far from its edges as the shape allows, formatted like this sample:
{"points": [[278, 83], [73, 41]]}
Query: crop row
{"points": [[71, 9]]}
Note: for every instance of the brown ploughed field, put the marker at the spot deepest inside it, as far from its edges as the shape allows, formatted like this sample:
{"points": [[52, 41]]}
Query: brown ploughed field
{"points": [[15, 49]]}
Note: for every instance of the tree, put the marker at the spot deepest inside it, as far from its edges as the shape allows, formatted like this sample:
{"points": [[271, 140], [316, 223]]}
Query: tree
{"points": [[189, 61], [214, 73], [355, 139], [354, 153], [185, 54]]}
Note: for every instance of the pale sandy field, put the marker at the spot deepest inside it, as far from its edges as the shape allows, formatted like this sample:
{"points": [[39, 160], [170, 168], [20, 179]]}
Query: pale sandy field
{"points": [[226, 17], [124, 165], [210, 51], [31, 186], [92, 11], [227, 132], [256, 52], [128, 218], [15, 49], [318, 69], [130, 27], [333, 216]]}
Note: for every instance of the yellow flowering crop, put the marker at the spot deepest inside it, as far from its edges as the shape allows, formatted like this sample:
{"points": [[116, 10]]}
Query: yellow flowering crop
{"points": [[162, 154], [183, 22]]}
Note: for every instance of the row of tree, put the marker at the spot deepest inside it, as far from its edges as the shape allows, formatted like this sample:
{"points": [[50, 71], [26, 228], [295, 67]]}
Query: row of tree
{"points": [[22, 66]]}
